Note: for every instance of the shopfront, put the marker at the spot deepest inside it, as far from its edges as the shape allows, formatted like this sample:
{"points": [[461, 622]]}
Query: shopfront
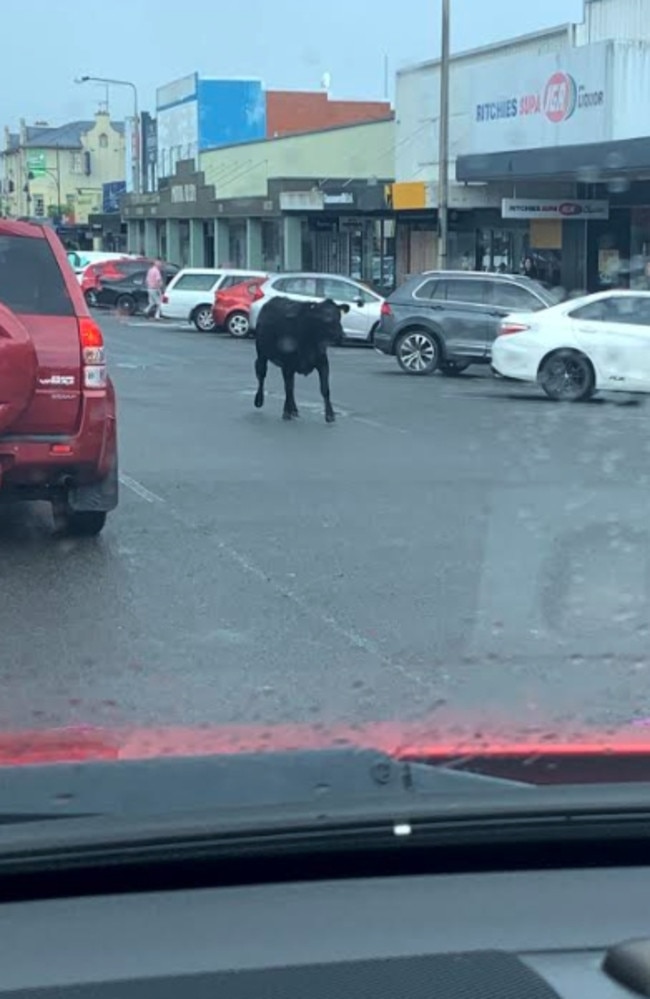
{"points": [[478, 240], [345, 228], [329, 226], [569, 122]]}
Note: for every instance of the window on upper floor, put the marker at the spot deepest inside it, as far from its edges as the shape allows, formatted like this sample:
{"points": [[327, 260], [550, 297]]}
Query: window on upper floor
{"points": [[103, 141], [76, 163]]}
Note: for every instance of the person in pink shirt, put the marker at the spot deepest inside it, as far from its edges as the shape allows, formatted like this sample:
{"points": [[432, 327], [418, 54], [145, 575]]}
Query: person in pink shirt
{"points": [[154, 283]]}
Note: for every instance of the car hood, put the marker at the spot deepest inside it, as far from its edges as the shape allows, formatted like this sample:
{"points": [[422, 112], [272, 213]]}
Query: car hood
{"points": [[532, 755]]}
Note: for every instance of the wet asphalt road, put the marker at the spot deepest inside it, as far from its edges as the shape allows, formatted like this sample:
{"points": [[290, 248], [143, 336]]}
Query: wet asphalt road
{"points": [[458, 547]]}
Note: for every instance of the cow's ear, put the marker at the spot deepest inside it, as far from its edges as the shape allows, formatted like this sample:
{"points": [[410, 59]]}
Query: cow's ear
{"points": [[345, 307]]}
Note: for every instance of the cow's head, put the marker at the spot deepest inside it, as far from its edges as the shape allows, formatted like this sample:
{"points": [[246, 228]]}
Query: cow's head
{"points": [[328, 318]]}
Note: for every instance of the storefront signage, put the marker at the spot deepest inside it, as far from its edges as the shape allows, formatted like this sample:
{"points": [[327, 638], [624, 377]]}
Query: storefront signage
{"points": [[558, 208], [350, 224], [521, 102], [301, 201], [338, 199], [558, 100]]}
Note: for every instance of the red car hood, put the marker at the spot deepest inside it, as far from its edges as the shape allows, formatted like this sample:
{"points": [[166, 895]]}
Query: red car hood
{"points": [[535, 755]]}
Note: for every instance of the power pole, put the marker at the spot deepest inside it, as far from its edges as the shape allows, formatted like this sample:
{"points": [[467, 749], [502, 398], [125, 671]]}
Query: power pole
{"points": [[443, 143]]}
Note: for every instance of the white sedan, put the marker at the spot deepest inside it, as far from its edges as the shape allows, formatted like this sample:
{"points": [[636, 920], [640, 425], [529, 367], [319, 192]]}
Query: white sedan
{"points": [[572, 350]]}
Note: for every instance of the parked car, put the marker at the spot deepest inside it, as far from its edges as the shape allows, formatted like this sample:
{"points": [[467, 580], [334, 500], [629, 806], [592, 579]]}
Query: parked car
{"points": [[58, 437], [128, 292], [111, 270], [597, 343], [232, 307], [448, 320], [81, 259], [190, 296], [359, 324]]}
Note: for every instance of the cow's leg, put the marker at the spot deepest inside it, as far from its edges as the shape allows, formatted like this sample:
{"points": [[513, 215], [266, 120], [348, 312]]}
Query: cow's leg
{"points": [[323, 369], [261, 368], [290, 409]]}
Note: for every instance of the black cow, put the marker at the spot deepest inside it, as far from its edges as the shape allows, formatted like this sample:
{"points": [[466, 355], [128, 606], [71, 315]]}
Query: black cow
{"points": [[295, 336]]}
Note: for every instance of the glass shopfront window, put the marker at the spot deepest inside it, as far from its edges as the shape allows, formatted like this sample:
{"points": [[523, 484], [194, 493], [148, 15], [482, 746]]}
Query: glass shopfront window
{"points": [[237, 244], [271, 245], [640, 249]]}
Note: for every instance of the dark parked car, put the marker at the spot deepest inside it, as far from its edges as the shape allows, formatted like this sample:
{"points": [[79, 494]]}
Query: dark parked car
{"points": [[128, 293], [448, 320]]}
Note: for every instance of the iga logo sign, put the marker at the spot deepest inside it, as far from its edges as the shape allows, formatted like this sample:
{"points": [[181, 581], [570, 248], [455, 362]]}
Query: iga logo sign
{"points": [[560, 98], [557, 101]]}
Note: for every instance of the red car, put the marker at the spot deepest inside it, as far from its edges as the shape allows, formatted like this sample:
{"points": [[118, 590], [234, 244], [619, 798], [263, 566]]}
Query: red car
{"points": [[58, 438], [231, 307]]}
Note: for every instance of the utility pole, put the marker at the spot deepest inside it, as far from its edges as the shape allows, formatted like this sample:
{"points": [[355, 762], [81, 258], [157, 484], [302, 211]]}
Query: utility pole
{"points": [[443, 143]]}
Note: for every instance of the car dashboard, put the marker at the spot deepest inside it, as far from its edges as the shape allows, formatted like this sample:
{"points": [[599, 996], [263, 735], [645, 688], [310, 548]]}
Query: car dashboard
{"points": [[517, 935]]}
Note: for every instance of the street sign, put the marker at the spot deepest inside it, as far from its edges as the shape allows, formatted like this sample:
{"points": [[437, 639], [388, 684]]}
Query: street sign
{"points": [[36, 162]]}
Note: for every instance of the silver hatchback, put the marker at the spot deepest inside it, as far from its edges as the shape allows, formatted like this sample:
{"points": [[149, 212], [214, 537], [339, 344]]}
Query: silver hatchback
{"points": [[359, 323]]}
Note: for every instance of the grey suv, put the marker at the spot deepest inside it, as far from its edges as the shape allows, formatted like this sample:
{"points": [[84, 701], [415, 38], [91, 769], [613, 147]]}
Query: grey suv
{"points": [[448, 320]]}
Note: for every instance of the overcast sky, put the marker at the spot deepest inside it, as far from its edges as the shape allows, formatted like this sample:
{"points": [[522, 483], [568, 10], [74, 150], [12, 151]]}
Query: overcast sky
{"points": [[286, 43]]}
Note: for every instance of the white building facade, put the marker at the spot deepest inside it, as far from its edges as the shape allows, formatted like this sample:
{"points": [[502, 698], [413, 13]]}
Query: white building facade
{"points": [[549, 152]]}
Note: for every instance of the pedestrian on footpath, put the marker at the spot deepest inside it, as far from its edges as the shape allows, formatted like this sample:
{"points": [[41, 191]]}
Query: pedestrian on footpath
{"points": [[154, 283]]}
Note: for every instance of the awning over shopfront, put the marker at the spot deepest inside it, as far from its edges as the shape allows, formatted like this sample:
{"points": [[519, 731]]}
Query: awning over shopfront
{"points": [[587, 163]]}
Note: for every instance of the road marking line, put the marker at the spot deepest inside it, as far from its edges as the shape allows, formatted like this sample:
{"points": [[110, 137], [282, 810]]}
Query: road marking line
{"points": [[140, 490], [355, 638], [351, 635], [378, 425], [313, 407], [317, 407], [158, 325]]}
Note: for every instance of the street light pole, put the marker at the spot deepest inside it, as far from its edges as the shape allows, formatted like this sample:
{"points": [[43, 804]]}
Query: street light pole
{"points": [[443, 143], [109, 82]]}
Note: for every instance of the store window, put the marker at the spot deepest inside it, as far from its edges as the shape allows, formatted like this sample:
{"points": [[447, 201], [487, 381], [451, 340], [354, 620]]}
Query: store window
{"points": [[640, 249], [271, 249]]}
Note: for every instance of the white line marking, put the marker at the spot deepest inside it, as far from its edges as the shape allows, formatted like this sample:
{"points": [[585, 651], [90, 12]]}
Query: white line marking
{"points": [[140, 490], [355, 638], [378, 425], [317, 407], [312, 407], [351, 635]]}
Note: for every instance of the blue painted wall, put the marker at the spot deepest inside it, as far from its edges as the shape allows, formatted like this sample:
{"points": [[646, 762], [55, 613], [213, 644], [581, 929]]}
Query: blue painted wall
{"points": [[230, 111]]}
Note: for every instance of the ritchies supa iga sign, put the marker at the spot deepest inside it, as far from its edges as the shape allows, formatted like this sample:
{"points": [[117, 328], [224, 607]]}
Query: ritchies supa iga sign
{"points": [[558, 100]]}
